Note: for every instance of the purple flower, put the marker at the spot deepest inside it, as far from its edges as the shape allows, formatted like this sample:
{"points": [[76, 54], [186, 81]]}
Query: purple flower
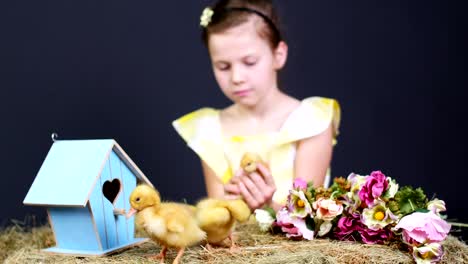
{"points": [[375, 185], [379, 236], [347, 226], [299, 183], [351, 228]]}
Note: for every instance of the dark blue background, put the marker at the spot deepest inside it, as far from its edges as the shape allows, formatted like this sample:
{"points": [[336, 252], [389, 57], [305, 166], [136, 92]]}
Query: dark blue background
{"points": [[126, 69]]}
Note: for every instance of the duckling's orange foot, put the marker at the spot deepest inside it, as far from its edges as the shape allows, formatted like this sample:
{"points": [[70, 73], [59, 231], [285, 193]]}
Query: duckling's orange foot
{"points": [[209, 247], [179, 256], [214, 248], [233, 248], [161, 256], [158, 257]]}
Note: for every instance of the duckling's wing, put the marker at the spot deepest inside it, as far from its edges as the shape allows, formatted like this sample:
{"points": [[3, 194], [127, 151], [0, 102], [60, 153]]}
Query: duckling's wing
{"points": [[175, 225], [176, 217]]}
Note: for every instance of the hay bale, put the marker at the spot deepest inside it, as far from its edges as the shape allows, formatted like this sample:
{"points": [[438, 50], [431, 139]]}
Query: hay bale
{"points": [[18, 245]]}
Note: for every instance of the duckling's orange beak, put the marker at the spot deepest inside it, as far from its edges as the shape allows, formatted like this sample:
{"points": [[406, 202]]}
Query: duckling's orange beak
{"points": [[131, 212]]}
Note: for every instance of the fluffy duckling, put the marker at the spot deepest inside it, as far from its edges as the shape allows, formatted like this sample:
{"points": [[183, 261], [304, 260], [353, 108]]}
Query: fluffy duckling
{"points": [[217, 217], [250, 160], [170, 224]]}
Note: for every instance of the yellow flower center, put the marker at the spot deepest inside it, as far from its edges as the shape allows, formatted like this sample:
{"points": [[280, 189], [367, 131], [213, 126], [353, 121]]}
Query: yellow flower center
{"points": [[426, 255], [379, 216], [300, 203]]}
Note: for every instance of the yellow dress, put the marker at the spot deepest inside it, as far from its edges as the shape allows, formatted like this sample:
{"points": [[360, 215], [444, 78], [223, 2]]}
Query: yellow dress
{"points": [[201, 130]]}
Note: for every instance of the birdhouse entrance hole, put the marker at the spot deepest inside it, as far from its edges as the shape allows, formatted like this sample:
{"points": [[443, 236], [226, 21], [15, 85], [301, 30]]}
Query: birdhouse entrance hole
{"points": [[111, 190]]}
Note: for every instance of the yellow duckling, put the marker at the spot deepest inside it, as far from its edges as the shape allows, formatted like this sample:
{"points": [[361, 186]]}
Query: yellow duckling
{"points": [[217, 217], [170, 224], [250, 160]]}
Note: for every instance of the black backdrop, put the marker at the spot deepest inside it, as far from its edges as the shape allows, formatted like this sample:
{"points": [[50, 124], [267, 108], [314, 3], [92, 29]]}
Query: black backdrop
{"points": [[126, 69]]}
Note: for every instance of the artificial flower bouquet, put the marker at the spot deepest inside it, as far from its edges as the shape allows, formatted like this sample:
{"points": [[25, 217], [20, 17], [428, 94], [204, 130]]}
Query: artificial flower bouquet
{"points": [[371, 209]]}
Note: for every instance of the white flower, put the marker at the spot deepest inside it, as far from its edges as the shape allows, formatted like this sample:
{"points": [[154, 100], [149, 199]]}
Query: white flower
{"points": [[357, 181], [298, 204], [378, 217], [428, 253], [392, 188], [205, 18], [264, 219], [436, 206], [325, 227]]}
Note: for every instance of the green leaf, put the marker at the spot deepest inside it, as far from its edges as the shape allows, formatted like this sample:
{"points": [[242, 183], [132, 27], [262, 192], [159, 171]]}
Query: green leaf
{"points": [[409, 200], [271, 211], [310, 194], [393, 206], [310, 223], [422, 210]]}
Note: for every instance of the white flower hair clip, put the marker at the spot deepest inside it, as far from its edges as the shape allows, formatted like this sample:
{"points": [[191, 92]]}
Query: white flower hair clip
{"points": [[205, 18]]}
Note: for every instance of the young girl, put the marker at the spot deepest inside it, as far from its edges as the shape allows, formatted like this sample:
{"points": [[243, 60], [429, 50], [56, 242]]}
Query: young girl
{"points": [[295, 138]]}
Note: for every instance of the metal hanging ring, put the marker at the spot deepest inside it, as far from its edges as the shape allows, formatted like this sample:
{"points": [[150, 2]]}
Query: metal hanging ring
{"points": [[54, 137]]}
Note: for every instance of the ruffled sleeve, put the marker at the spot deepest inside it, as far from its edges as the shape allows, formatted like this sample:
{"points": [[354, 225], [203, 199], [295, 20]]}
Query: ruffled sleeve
{"points": [[312, 117], [201, 130]]}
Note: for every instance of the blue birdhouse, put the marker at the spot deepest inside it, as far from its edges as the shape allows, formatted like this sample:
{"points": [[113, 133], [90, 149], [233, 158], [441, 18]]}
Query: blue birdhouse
{"points": [[85, 186]]}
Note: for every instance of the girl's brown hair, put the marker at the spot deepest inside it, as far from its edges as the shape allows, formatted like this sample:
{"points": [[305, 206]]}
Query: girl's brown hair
{"points": [[231, 13]]}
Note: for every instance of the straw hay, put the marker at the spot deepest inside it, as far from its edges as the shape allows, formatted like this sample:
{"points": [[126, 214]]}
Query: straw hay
{"points": [[19, 245]]}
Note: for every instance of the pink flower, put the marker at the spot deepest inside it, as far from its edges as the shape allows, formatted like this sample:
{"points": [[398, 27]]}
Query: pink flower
{"points": [[299, 183], [327, 209], [294, 227], [423, 228], [375, 185]]}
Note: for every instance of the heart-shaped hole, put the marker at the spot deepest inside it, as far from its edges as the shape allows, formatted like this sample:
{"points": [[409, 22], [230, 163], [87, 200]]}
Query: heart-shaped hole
{"points": [[111, 189]]}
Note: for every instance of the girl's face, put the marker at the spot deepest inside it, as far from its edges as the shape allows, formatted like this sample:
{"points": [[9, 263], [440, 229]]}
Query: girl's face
{"points": [[244, 64]]}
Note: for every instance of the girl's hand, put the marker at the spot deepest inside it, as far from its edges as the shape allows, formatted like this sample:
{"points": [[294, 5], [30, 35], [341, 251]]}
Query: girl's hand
{"points": [[257, 188]]}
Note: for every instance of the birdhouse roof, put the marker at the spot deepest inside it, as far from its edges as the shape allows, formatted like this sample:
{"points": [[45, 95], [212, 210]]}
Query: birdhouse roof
{"points": [[72, 169]]}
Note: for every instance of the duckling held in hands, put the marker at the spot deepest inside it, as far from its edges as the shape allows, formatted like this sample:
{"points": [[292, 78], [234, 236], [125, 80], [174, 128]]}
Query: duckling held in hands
{"points": [[169, 224], [249, 162], [217, 217]]}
